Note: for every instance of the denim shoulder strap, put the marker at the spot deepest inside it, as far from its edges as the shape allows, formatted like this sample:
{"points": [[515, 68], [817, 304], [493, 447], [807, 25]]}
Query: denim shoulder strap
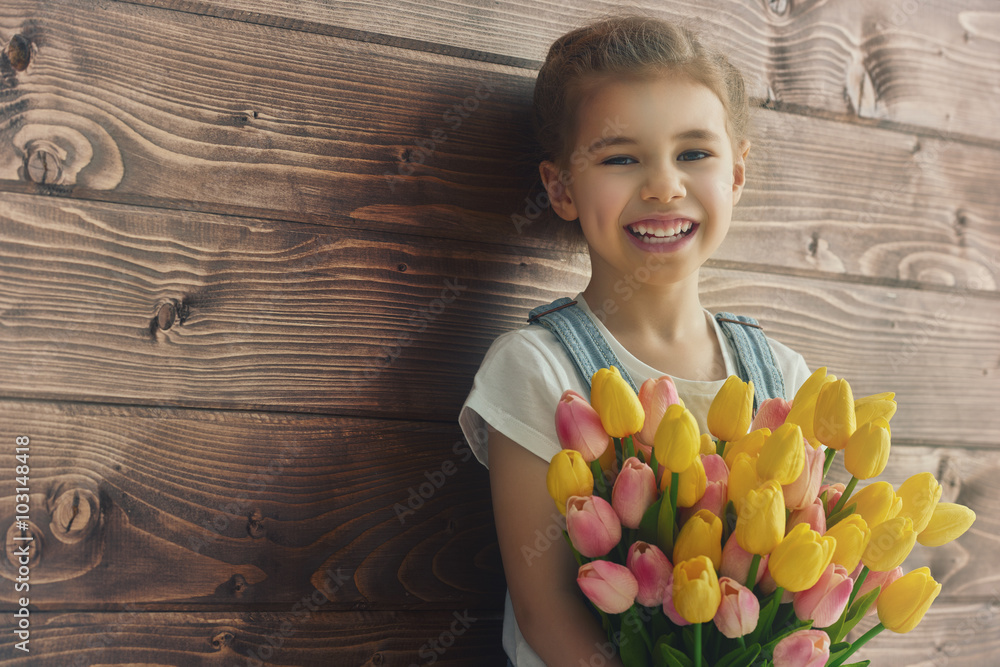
{"points": [[754, 357], [582, 340]]}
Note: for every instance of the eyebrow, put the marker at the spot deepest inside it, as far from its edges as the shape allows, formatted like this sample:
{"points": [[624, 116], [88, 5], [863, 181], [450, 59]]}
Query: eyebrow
{"points": [[619, 140]]}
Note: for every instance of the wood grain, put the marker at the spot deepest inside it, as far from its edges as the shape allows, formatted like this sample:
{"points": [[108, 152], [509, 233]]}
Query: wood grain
{"points": [[282, 124], [929, 64], [302, 638]]}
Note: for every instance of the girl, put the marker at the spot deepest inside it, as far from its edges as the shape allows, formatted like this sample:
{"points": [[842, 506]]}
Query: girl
{"points": [[644, 132]]}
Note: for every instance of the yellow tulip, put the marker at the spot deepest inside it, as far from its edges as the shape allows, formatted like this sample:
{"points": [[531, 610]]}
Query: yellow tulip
{"points": [[834, 420], [701, 535], [696, 590], [613, 399], [691, 483], [677, 440], [568, 475], [742, 478], [783, 456], [891, 542], [920, 495], [760, 521], [804, 404], [876, 503], [800, 559], [707, 445], [870, 408], [810, 388], [867, 449], [902, 605], [852, 535], [751, 443], [731, 411], [949, 521]]}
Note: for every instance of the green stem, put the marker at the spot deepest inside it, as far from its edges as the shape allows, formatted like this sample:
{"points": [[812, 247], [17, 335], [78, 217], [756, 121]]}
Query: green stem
{"points": [[858, 644], [618, 452], [743, 644], [830, 454], [674, 483], [629, 447], [697, 644], [857, 585], [599, 481], [720, 447], [752, 574], [845, 495]]}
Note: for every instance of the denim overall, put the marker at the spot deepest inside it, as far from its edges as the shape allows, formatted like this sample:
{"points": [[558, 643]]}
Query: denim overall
{"points": [[590, 351]]}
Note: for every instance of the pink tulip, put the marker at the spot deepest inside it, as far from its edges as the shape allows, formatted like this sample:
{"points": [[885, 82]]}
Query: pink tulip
{"points": [[634, 491], [669, 610], [738, 611], [610, 586], [824, 603], [652, 570], [873, 579], [716, 489], [592, 525], [578, 426], [833, 493], [768, 586], [803, 491], [736, 562], [805, 648], [655, 396], [812, 514], [771, 414]]}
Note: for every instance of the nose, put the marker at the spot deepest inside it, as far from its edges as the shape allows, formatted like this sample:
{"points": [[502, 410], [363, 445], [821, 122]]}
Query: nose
{"points": [[664, 182]]}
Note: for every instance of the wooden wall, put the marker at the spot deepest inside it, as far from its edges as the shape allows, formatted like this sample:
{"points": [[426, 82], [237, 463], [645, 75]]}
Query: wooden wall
{"points": [[253, 252]]}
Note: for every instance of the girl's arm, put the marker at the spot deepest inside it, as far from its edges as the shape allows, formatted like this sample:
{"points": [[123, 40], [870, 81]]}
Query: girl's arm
{"points": [[541, 571]]}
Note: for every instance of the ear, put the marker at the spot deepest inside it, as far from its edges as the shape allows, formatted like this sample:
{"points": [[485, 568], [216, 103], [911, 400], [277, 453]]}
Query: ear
{"points": [[739, 170], [557, 186]]}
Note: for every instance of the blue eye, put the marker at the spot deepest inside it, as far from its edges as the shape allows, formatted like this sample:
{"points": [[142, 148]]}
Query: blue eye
{"points": [[615, 160], [703, 155]]}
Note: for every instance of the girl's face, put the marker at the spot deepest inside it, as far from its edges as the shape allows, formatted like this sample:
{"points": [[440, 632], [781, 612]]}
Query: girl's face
{"points": [[653, 178]]}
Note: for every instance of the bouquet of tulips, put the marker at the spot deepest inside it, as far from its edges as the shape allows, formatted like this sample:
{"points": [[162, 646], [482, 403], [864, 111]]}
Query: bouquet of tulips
{"points": [[731, 551]]}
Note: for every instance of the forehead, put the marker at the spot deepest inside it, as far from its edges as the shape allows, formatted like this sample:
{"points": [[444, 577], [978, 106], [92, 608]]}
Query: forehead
{"points": [[650, 108]]}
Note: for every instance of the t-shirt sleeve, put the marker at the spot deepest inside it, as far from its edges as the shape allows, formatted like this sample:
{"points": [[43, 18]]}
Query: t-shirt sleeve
{"points": [[794, 370], [515, 392]]}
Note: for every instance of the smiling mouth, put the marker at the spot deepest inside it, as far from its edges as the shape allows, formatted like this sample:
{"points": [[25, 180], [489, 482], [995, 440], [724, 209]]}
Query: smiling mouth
{"points": [[649, 234]]}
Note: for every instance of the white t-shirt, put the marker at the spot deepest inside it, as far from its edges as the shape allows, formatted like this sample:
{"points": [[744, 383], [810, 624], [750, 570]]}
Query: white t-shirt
{"points": [[519, 383]]}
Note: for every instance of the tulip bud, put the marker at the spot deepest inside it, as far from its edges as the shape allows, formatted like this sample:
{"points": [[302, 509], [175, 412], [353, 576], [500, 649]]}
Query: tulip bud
{"points": [[903, 603], [760, 522], [696, 594], [803, 491], [578, 426], [799, 560], [568, 475], [592, 525], [701, 535], [669, 610], [870, 408], [677, 440], [613, 399], [949, 521], [811, 515], [610, 586], [805, 648], [880, 579], [824, 602], [834, 420], [742, 478], [804, 404], [652, 571], [876, 503], [782, 457], [738, 611], [833, 493], [810, 388], [867, 449], [691, 483], [731, 411], [634, 491], [920, 495], [890, 544], [655, 396], [736, 561], [707, 445], [771, 414], [751, 443], [852, 535], [715, 496]]}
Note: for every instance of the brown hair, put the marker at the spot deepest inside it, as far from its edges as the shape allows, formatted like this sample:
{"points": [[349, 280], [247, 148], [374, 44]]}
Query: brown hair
{"points": [[628, 45]]}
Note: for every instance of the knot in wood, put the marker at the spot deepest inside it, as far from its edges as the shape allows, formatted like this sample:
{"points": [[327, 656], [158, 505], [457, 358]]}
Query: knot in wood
{"points": [[255, 526], [43, 167], [377, 659], [239, 584], [18, 52], [166, 315], [779, 7], [76, 515], [222, 639]]}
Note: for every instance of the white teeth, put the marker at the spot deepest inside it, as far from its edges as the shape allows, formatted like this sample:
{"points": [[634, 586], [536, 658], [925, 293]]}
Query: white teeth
{"points": [[661, 235]]}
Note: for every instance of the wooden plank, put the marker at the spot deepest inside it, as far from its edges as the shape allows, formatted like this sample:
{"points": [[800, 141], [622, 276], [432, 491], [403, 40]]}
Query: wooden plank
{"points": [[302, 638], [929, 64], [196, 509], [129, 305], [199, 509], [344, 135]]}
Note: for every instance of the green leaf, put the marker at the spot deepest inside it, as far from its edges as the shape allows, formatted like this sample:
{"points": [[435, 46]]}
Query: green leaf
{"points": [[631, 647], [863, 663], [740, 657], [836, 518], [765, 619], [672, 657], [665, 528], [858, 611], [647, 527]]}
